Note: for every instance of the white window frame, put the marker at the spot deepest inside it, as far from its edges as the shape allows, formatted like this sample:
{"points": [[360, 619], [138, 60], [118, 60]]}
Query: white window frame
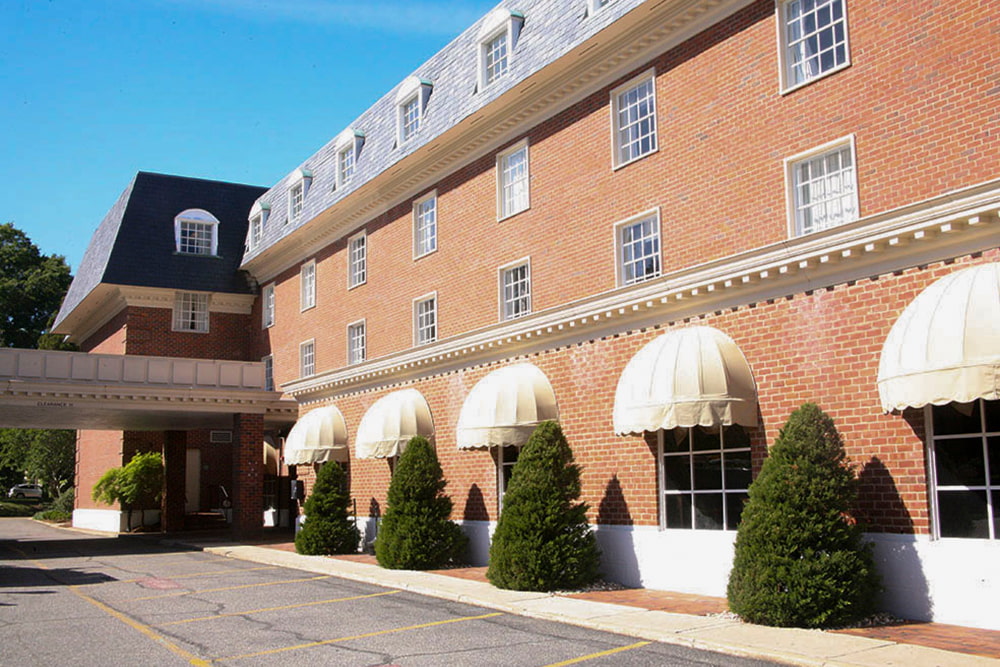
{"points": [[298, 189], [620, 260], [307, 285], [267, 306], [518, 201], [191, 313], [617, 159], [307, 358], [992, 491], [413, 93], [357, 353], [268, 361], [692, 492], [785, 60], [203, 220], [357, 261], [258, 222], [502, 272], [418, 329], [425, 225], [504, 463], [348, 144], [795, 227], [498, 23]]}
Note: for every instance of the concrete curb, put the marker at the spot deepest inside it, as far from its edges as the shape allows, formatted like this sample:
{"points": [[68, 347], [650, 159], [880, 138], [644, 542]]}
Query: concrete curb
{"points": [[812, 648]]}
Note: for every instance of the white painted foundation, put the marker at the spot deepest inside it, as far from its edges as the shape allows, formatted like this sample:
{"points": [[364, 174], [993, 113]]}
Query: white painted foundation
{"points": [[112, 521]]}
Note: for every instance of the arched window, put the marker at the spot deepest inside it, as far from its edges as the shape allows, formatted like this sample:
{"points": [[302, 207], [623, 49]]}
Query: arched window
{"points": [[196, 232]]}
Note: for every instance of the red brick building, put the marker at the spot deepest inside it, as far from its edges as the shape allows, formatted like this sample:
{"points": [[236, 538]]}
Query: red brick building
{"points": [[747, 195]]}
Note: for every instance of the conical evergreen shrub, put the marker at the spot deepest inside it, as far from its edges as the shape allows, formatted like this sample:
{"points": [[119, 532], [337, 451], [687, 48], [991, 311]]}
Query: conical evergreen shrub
{"points": [[543, 541], [328, 528], [800, 558], [416, 532]]}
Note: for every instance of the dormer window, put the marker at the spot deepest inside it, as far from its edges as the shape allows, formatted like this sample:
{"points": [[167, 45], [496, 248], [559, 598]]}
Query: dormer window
{"points": [[497, 40], [196, 232], [348, 146], [297, 191], [258, 220], [411, 102]]}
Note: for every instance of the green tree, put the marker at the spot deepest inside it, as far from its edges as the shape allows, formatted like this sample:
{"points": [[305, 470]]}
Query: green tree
{"points": [[416, 533], [46, 456], [543, 541], [136, 485], [32, 286], [800, 557], [328, 528]]}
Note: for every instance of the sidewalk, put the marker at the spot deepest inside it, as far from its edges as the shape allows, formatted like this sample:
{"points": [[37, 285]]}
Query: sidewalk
{"points": [[672, 618]]}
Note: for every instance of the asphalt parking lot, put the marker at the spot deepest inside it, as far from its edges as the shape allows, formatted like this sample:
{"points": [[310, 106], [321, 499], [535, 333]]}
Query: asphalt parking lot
{"points": [[77, 599]]}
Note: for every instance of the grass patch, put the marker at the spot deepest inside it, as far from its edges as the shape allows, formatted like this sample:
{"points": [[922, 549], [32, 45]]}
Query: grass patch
{"points": [[14, 508]]}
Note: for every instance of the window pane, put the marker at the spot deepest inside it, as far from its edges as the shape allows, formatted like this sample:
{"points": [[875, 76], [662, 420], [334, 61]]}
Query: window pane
{"points": [[824, 191], [963, 514], [738, 470], [636, 122], [677, 509], [735, 437], [708, 471], [708, 511], [706, 438], [957, 418], [676, 473], [675, 440], [734, 509], [960, 462], [992, 415], [993, 446]]}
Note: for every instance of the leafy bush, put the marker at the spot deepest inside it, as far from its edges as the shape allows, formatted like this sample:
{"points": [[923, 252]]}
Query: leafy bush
{"points": [[800, 559], [543, 541], [55, 516], [65, 502], [139, 484], [328, 528], [416, 533]]}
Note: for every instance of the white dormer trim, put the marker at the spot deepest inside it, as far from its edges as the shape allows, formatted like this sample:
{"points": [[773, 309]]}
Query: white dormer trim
{"points": [[413, 89], [499, 21], [259, 213], [348, 142], [301, 178], [197, 216]]}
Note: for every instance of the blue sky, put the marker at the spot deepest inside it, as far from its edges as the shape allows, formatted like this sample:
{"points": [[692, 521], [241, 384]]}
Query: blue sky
{"points": [[92, 91]]}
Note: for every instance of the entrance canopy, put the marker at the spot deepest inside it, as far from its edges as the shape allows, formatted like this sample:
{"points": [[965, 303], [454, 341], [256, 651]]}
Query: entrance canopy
{"points": [[505, 407], [390, 423], [318, 436], [695, 376], [945, 346]]}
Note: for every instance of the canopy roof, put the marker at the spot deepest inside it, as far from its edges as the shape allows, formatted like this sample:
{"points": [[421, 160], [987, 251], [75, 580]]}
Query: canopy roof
{"points": [[318, 436], [390, 423], [505, 407], [945, 346], [695, 376]]}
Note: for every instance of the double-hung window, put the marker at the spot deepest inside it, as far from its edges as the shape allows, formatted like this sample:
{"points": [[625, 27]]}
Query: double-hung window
{"points": [[298, 188], [196, 232], [258, 220], [425, 328], [812, 38], [823, 186], [512, 181], [637, 243], [191, 312], [307, 285], [411, 102], [965, 469], [307, 358], [498, 37], [268, 362], [357, 260], [633, 109], [267, 306], [515, 290], [425, 225], [704, 476], [348, 147], [357, 345]]}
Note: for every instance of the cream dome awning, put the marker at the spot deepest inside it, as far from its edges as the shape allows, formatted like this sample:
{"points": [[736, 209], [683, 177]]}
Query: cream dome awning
{"points": [[686, 377], [272, 464], [945, 346], [318, 436], [390, 423], [504, 407]]}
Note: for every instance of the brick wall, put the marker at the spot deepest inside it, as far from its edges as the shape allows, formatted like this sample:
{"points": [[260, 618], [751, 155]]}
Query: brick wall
{"points": [[148, 332]]}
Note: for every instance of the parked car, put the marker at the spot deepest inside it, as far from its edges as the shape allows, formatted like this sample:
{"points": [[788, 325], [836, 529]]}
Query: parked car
{"points": [[25, 491]]}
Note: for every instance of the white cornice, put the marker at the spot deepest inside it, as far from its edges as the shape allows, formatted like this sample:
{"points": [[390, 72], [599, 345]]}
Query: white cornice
{"points": [[941, 228], [630, 42]]}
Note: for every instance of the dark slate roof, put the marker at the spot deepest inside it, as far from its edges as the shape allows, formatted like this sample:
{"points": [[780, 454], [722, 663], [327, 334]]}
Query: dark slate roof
{"points": [[134, 244], [551, 29]]}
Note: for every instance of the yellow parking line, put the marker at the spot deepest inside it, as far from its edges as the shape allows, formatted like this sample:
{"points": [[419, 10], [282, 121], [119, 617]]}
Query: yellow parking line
{"points": [[225, 588], [326, 642], [144, 629], [592, 656], [283, 608]]}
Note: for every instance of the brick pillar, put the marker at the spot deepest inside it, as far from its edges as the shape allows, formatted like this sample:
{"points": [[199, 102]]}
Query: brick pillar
{"points": [[248, 476], [174, 480]]}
